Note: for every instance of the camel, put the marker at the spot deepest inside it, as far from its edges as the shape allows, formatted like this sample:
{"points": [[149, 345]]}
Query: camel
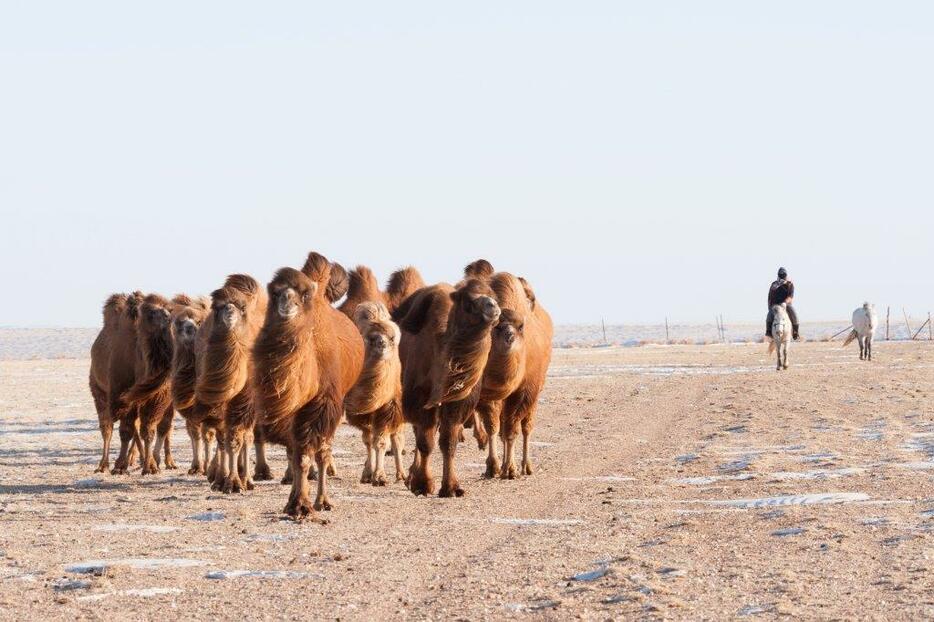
{"points": [[444, 349], [187, 318], [781, 335], [113, 367], [306, 357], [374, 404], [864, 329], [150, 396], [515, 372], [223, 371]]}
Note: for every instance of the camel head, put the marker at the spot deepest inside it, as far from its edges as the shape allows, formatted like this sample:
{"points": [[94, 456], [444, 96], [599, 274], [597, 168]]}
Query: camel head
{"points": [[185, 324], [292, 295], [474, 304], [508, 333], [380, 334], [154, 314]]}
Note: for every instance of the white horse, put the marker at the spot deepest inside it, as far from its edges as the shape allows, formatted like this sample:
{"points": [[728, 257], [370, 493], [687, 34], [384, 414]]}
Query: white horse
{"points": [[781, 335], [864, 328]]}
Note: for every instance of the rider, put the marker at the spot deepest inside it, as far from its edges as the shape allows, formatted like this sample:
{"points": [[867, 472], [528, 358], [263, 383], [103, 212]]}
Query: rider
{"points": [[782, 290]]}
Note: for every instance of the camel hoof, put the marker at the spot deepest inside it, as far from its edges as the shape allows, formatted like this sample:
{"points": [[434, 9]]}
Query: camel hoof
{"points": [[492, 468], [170, 465], [421, 485], [249, 485], [527, 468], [323, 504], [299, 509], [286, 480], [366, 478], [196, 470], [451, 491], [379, 479], [262, 473], [509, 472]]}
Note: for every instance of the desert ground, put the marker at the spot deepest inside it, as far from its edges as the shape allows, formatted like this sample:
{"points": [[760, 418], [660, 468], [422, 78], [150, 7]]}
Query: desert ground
{"points": [[671, 482]]}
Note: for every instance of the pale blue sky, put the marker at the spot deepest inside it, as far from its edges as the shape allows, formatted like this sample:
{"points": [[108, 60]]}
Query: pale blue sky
{"points": [[631, 159]]}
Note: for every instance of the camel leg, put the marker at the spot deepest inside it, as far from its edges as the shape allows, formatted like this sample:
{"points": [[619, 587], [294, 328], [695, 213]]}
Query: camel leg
{"points": [[262, 472], [526, 436], [379, 450], [105, 424], [245, 460], [220, 472], [322, 457], [233, 483], [397, 440], [299, 505], [449, 436], [214, 462], [287, 476], [164, 432], [420, 480], [489, 414], [194, 435], [127, 438], [367, 476], [148, 461]]}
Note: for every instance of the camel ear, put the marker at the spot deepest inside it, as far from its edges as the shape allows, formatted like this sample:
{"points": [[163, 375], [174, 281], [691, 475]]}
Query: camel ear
{"points": [[313, 288]]}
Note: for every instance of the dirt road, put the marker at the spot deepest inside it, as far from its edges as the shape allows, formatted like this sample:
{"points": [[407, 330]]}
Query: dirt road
{"points": [[671, 482]]}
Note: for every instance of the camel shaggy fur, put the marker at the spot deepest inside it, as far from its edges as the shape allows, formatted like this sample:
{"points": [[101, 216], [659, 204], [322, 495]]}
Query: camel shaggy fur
{"points": [[444, 349], [374, 403], [307, 356], [864, 330]]}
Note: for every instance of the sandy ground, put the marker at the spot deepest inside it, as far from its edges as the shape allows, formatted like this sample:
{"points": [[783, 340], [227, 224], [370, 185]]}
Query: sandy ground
{"points": [[676, 482]]}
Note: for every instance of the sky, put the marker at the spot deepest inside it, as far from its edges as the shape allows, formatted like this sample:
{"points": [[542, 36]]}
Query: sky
{"points": [[633, 160]]}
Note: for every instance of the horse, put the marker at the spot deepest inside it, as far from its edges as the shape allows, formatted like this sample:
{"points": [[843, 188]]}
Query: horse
{"points": [[864, 327], [781, 335]]}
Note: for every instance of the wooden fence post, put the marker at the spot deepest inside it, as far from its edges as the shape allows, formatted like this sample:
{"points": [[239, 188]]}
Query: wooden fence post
{"points": [[907, 325], [887, 311]]}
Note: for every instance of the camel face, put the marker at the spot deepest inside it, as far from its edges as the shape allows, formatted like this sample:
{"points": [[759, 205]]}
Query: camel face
{"points": [[185, 329], [508, 333], [155, 316], [380, 343]]}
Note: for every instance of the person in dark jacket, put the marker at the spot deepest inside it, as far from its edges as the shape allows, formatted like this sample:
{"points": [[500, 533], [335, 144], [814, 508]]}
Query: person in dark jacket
{"points": [[782, 290]]}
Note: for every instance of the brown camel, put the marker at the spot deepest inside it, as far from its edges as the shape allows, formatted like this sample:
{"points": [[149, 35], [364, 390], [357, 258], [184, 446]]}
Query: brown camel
{"points": [[307, 356], [223, 372], [515, 372], [187, 319], [374, 404], [150, 396], [444, 349], [113, 372]]}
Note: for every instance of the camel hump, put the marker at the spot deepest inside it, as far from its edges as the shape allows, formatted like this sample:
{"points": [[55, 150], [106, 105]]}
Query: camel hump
{"points": [[115, 305], [243, 283], [363, 284], [415, 312], [318, 269], [338, 283], [402, 284], [479, 269], [510, 293]]}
